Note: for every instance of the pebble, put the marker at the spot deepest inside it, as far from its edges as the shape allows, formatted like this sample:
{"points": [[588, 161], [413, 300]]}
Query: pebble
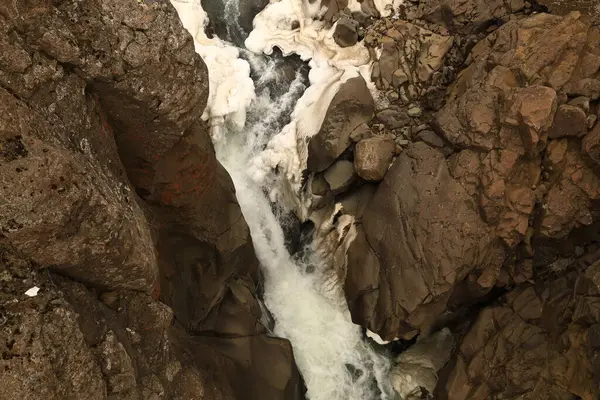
{"points": [[414, 111]]}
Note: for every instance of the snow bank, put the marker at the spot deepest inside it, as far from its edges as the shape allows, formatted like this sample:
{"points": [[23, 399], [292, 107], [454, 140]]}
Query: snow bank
{"points": [[231, 90]]}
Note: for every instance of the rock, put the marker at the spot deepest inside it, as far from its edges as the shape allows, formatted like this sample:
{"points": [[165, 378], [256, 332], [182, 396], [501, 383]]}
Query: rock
{"points": [[591, 144], [345, 34], [416, 370], [581, 102], [588, 7], [528, 326], [340, 176], [393, 285], [431, 138], [568, 203], [508, 121], [414, 112], [533, 110], [569, 121], [361, 132], [319, 186], [372, 157], [352, 105], [105, 132], [393, 118]]}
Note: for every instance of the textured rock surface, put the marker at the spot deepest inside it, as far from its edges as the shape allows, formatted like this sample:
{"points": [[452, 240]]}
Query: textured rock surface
{"points": [[540, 342], [109, 179], [373, 156], [352, 105], [421, 234]]}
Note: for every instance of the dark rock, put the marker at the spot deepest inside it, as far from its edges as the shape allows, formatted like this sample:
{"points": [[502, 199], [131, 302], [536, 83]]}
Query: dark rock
{"points": [[394, 118], [393, 286], [345, 34], [340, 176], [351, 106], [569, 121]]}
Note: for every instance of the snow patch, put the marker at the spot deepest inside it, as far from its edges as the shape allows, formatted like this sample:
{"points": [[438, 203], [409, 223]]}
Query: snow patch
{"points": [[32, 292]]}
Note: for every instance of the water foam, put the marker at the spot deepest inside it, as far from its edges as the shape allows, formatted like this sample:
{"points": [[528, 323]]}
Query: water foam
{"points": [[334, 360]]}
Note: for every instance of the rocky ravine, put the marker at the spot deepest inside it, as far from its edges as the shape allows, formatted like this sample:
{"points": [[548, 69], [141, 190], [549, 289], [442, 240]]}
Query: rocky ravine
{"points": [[148, 283], [473, 186]]}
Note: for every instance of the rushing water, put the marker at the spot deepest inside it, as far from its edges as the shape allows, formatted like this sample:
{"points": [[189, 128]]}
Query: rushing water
{"points": [[329, 349]]}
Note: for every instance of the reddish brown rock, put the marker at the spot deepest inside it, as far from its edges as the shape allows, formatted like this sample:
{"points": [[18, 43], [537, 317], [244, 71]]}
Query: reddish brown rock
{"points": [[373, 156], [591, 144], [569, 121], [540, 343]]}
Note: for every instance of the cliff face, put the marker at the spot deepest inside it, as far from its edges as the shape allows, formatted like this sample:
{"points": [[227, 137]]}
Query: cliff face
{"points": [[114, 205]]}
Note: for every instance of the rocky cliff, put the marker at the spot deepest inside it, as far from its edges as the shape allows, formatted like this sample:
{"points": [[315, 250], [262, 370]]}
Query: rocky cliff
{"points": [[115, 207]]}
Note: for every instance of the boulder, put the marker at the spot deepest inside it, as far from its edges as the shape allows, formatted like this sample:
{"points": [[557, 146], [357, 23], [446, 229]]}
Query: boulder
{"points": [[373, 156], [421, 235], [346, 34], [351, 106], [340, 176], [569, 121]]}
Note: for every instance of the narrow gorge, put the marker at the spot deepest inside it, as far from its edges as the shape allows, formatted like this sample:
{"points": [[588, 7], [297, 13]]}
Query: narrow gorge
{"points": [[300, 199]]}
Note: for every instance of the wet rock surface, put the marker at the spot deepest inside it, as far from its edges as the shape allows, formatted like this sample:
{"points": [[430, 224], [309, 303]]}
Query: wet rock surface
{"points": [[117, 209]]}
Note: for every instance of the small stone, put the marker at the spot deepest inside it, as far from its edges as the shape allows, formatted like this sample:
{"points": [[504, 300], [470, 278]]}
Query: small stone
{"points": [[414, 112], [319, 185], [393, 118], [568, 121], [361, 132], [399, 77], [591, 121], [392, 96], [345, 34]]}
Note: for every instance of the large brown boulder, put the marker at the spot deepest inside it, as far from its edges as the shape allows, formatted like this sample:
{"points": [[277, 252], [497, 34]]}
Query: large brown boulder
{"points": [[351, 106], [421, 235]]}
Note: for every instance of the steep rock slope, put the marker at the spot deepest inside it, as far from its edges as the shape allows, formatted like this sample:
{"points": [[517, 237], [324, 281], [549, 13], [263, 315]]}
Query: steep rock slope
{"points": [[109, 180]]}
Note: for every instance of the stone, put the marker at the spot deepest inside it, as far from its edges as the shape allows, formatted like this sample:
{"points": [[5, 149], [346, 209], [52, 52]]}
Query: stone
{"points": [[393, 118], [393, 286], [569, 121], [361, 132], [345, 33], [352, 106], [431, 138], [591, 144], [581, 102], [414, 112], [340, 176], [372, 157]]}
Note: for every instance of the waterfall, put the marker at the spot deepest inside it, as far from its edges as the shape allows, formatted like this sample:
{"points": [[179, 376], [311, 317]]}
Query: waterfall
{"points": [[257, 131]]}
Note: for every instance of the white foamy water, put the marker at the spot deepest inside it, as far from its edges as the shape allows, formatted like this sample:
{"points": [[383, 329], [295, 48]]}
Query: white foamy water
{"points": [[309, 309]]}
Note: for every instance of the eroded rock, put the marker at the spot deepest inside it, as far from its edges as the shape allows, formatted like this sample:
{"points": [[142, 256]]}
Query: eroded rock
{"points": [[373, 156]]}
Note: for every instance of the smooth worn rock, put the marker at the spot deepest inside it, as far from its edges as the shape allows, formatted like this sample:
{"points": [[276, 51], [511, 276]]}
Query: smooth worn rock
{"points": [[372, 157], [361, 132], [394, 118], [345, 34], [352, 106], [421, 235], [340, 176]]}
